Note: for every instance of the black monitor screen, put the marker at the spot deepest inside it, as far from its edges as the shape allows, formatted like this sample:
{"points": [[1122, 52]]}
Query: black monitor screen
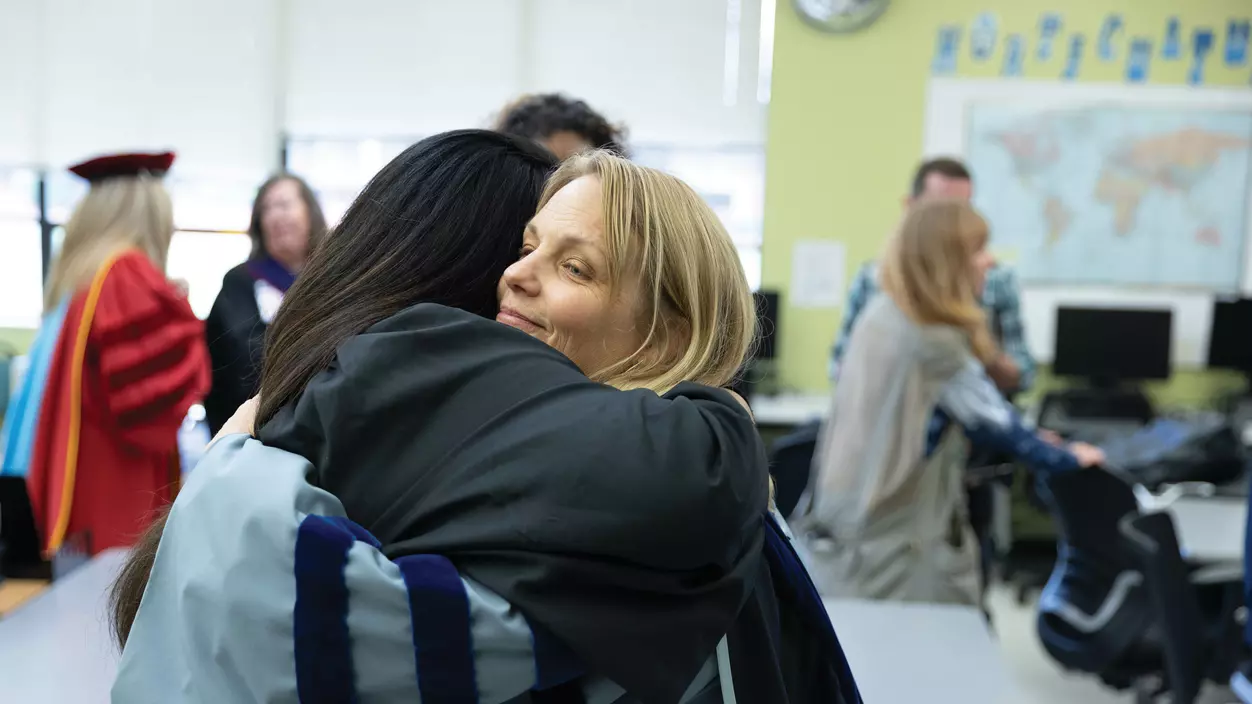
{"points": [[1112, 344], [1230, 344], [767, 323]]}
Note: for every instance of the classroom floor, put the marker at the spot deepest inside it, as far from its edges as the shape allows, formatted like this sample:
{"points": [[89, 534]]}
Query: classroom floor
{"points": [[1039, 677]]}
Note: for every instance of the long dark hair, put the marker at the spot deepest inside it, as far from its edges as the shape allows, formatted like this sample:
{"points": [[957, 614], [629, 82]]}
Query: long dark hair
{"points": [[317, 219], [439, 224]]}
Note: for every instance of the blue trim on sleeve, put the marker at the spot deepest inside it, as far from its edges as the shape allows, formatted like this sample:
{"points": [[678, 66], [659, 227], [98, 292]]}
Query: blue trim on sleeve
{"points": [[323, 649], [442, 642], [353, 529], [784, 561], [555, 663]]}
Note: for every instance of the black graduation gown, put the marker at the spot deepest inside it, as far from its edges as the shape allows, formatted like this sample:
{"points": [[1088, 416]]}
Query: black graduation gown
{"points": [[631, 526], [236, 337]]}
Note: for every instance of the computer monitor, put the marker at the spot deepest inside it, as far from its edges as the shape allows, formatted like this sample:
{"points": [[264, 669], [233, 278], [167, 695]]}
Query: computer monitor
{"points": [[767, 323], [1108, 345], [1230, 342]]}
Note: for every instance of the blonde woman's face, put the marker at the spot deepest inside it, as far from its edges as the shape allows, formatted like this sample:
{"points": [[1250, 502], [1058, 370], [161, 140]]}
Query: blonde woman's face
{"points": [[559, 291]]}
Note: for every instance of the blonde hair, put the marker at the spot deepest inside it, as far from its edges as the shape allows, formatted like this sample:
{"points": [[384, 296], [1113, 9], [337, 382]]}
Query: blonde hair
{"points": [[929, 269], [698, 309], [118, 213]]}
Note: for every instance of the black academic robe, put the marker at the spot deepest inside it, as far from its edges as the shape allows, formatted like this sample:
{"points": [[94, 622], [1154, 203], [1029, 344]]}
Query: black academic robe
{"points": [[631, 526], [236, 337]]}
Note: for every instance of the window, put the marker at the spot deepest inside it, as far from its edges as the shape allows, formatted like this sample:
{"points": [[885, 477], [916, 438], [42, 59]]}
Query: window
{"points": [[337, 169], [731, 179], [202, 259], [21, 267], [211, 214]]}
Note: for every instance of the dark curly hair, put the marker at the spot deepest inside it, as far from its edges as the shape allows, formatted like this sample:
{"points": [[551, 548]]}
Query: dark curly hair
{"points": [[542, 115]]}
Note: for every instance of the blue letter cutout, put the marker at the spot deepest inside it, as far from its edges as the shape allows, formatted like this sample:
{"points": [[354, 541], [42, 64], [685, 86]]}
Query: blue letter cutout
{"points": [[1074, 60], [1172, 48], [1201, 47], [1112, 25], [1137, 59], [946, 44], [982, 37], [1049, 27], [1237, 42], [1014, 55]]}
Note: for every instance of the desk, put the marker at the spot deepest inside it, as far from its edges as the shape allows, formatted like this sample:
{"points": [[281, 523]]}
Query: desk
{"points": [[1210, 529], [790, 409], [15, 592], [57, 648], [921, 653]]}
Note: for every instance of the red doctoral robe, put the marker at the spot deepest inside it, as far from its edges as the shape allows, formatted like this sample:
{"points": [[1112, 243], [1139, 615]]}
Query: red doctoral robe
{"points": [[129, 361]]}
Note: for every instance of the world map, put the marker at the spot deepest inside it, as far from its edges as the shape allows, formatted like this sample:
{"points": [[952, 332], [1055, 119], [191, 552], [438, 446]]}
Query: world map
{"points": [[1104, 195]]}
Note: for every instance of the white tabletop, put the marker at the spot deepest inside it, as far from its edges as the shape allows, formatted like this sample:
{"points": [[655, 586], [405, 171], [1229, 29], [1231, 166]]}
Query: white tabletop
{"points": [[56, 648], [1210, 529], [921, 653], [790, 409]]}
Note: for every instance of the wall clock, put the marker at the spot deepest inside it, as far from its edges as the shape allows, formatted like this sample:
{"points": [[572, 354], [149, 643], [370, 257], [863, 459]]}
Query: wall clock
{"points": [[840, 16]]}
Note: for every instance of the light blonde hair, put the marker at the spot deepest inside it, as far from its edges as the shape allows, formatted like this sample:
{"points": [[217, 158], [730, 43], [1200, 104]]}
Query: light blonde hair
{"points": [[698, 311], [929, 269], [118, 213]]}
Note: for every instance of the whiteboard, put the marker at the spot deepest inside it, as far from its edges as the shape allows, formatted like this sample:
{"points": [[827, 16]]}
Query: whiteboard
{"points": [[948, 101]]}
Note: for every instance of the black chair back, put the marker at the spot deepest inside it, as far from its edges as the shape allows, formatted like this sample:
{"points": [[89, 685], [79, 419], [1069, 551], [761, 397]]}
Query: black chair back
{"points": [[1094, 608], [23, 553], [790, 462], [1153, 542]]}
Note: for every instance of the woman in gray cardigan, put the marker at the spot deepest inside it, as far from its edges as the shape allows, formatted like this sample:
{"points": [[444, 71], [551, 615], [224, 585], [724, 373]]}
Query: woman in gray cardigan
{"points": [[884, 517]]}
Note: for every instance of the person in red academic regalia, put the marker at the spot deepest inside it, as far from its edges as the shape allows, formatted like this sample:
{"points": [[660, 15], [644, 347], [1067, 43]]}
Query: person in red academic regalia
{"points": [[119, 360]]}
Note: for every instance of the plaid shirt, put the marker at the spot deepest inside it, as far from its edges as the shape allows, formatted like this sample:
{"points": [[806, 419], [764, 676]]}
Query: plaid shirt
{"points": [[1000, 297]]}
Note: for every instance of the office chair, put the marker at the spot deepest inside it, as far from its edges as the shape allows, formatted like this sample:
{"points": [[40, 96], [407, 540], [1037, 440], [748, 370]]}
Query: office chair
{"points": [[22, 555], [1151, 539], [790, 462], [1094, 611]]}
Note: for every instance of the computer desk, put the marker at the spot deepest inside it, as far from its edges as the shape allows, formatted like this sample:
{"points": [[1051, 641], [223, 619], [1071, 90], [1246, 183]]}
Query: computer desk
{"points": [[57, 648], [786, 410], [922, 653], [1210, 528]]}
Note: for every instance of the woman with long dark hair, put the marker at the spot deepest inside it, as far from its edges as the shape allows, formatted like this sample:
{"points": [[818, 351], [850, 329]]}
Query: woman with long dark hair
{"points": [[286, 224], [520, 526]]}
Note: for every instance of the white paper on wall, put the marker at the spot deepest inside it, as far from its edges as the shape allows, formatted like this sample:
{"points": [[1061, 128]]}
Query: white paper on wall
{"points": [[817, 274]]}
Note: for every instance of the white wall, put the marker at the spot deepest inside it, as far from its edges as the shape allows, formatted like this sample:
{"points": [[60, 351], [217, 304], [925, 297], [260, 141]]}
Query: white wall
{"points": [[412, 67], [79, 77], [222, 82], [19, 28], [219, 82], [399, 67]]}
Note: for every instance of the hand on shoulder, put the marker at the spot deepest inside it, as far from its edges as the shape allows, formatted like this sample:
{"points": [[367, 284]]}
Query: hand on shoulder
{"points": [[242, 422]]}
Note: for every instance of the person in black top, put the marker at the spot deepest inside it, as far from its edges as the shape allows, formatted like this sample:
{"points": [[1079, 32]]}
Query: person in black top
{"points": [[286, 224]]}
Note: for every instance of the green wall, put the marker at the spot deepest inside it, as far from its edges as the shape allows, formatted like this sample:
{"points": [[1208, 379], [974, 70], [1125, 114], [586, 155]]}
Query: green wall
{"points": [[18, 339], [846, 122]]}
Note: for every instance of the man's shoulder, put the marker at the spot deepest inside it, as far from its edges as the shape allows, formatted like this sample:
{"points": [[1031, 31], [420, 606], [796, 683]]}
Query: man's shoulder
{"points": [[1001, 286], [1002, 275], [866, 280]]}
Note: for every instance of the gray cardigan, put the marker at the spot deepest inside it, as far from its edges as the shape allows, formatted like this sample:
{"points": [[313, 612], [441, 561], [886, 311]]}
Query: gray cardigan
{"points": [[884, 518]]}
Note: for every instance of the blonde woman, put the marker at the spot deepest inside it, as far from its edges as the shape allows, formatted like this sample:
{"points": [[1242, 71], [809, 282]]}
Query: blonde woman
{"points": [[117, 362], [519, 532], [884, 517]]}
